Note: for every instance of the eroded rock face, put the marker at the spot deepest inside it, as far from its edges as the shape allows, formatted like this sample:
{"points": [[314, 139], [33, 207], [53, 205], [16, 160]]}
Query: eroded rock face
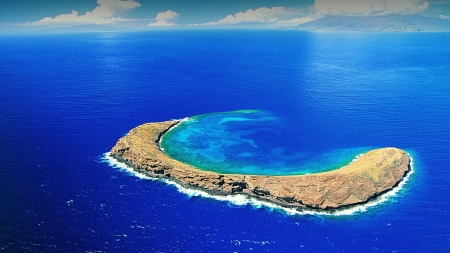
{"points": [[371, 175]]}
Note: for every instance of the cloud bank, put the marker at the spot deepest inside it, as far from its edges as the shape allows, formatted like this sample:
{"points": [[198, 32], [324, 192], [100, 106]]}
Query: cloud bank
{"points": [[260, 15], [281, 16], [275, 16], [109, 12], [164, 18], [104, 13]]}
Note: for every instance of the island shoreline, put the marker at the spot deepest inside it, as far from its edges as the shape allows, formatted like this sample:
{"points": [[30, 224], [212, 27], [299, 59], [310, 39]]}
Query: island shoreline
{"points": [[287, 208], [284, 191]]}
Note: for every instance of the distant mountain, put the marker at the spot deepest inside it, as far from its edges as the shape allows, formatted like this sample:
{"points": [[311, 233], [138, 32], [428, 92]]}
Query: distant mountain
{"points": [[388, 23], [119, 27], [84, 28], [29, 28]]}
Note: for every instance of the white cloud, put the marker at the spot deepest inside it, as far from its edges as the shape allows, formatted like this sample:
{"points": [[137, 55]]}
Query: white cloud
{"points": [[368, 7], [163, 18], [275, 16], [104, 13], [444, 17], [260, 15]]}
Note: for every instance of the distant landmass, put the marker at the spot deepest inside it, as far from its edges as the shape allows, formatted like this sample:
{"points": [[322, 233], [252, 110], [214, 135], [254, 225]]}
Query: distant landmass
{"points": [[387, 23]]}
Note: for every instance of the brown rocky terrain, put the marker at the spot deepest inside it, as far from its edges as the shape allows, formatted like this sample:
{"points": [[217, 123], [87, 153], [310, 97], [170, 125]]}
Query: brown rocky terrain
{"points": [[370, 175]]}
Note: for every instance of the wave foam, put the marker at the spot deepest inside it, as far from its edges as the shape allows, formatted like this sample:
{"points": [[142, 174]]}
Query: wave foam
{"points": [[243, 200], [108, 158]]}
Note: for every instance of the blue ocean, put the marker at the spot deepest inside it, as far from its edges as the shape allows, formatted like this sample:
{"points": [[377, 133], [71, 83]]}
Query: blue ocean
{"points": [[67, 98]]}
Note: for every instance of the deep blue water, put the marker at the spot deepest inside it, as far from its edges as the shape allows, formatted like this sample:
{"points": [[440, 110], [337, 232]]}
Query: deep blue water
{"points": [[66, 99]]}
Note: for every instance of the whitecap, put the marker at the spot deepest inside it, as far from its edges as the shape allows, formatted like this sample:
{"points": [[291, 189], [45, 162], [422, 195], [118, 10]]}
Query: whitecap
{"points": [[108, 158]]}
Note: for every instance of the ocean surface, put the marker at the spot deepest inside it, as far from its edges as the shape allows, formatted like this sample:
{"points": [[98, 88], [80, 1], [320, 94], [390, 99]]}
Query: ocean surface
{"points": [[67, 98]]}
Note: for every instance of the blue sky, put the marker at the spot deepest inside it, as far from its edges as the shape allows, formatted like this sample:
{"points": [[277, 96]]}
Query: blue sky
{"points": [[203, 13]]}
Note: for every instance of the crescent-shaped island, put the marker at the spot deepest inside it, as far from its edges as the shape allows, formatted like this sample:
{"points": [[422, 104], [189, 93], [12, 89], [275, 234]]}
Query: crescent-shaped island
{"points": [[365, 178]]}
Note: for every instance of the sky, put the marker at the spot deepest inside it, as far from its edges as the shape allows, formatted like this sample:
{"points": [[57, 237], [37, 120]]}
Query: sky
{"points": [[152, 14]]}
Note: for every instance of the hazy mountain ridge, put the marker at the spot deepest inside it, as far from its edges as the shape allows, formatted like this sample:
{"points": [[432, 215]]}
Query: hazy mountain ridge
{"points": [[388, 23]]}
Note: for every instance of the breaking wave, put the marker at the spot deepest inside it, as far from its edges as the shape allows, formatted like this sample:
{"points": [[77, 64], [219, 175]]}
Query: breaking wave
{"points": [[244, 200]]}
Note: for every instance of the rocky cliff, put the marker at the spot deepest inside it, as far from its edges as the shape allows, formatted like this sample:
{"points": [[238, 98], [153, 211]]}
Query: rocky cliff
{"points": [[370, 175]]}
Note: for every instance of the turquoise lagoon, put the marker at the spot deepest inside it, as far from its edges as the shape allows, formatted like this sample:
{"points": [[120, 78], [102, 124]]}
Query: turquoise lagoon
{"points": [[253, 142]]}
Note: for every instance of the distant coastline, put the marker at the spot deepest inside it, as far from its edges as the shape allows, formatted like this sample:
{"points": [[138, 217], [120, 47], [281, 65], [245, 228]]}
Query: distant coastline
{"points": [[369, 176], [386, 23]]}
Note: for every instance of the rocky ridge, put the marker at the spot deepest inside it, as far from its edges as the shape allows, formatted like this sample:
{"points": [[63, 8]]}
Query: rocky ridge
{"points": [[370, 175]]}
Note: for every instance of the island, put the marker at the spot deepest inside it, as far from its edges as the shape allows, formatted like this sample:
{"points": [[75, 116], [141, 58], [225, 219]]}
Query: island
{"points": [[365, 178]]}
